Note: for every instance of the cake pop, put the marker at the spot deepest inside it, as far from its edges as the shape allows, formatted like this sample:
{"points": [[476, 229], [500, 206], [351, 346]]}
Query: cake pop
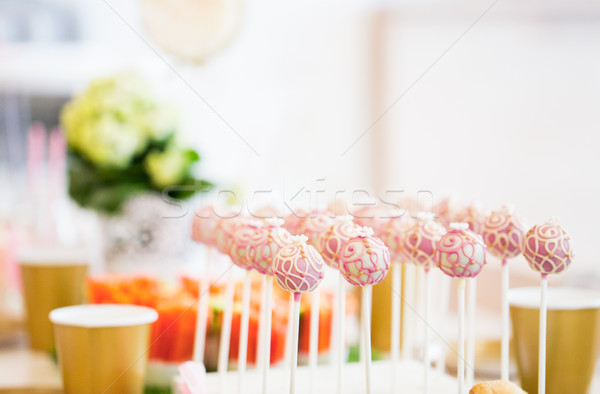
{"points": [[241, 238], [332, 240], [371, 215], [365, 261], [298, 268], [420, 241], [473, 214], [204, 225], [503, 233], [461, 254], [224, 231], [313, 225], [393, 235], [548, 250]]}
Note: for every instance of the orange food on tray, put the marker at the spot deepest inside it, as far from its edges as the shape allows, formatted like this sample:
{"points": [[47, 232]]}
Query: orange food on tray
{"points": [[172, 337]]}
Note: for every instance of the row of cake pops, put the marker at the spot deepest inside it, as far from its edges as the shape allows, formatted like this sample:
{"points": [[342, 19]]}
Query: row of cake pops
{"points": [[459, 253]]}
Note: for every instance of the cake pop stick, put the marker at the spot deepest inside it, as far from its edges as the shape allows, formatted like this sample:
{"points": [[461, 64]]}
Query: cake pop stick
{"points": [[341, 344], [365, 261], [409, 313], [203, 231], [393, 236], [503, 233], [461, 254], [330, 243], [241, 239], [420, 244], [225, 331], [204, 294], [548, 249], [289, 340], [471, 285], [443, 317], [298, 268], [313, 346], [243, 344]]}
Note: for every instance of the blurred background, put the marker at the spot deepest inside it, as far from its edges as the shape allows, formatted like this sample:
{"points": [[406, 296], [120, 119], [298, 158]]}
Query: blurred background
{"points": [[297, 104]]}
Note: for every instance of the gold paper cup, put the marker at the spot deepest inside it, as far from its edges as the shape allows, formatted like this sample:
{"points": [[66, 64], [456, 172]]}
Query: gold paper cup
{"points": [[103, 348], [52, 278], [573, 337]]}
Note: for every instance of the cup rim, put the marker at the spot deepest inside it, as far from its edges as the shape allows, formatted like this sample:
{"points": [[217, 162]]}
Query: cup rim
{"points": [[559, 298], [40, 255], [103, 315]]}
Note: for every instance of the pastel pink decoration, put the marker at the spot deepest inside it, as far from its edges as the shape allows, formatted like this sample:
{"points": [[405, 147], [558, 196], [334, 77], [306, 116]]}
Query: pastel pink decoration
{"points": [[364, 259], [298, 267], [292, 221], [445, 210], [204, 225], [393, 235], [473, 215], [503, 233], [371, 216], [420, 242], [548, 248], [265, 243], [460, 252], [332, 240], [313, 225], [225, 229], [242, 237]]}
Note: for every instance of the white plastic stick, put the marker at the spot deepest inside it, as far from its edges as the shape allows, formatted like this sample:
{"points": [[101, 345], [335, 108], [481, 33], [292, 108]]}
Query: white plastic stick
{"points": [[334, 330], [267, 333], [444, 306], [226, 331], [313, 345], [295, 325], [341, 345], [243, 338], [203, 293], [471, 314], [504, 374], [260, 346], [395, 331], [461, 336], [366, 312], [426, 352], [409, 311], [542, 349], [290, 331]]}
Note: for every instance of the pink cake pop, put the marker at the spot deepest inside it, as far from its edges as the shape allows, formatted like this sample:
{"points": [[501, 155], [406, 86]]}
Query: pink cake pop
{"points": [[393, 234], [371, 215], [313, 225], [225, 229], [460, 252], [503, 233], [548, 248], [332, 240], [420, 242], [265, 243], [473, 214], [292, 221], [364, 259], [240, 240], [298, 267], [204, 225]]}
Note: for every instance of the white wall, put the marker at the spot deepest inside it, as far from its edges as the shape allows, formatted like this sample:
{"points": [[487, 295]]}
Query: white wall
{"points": [[509, 114]]}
